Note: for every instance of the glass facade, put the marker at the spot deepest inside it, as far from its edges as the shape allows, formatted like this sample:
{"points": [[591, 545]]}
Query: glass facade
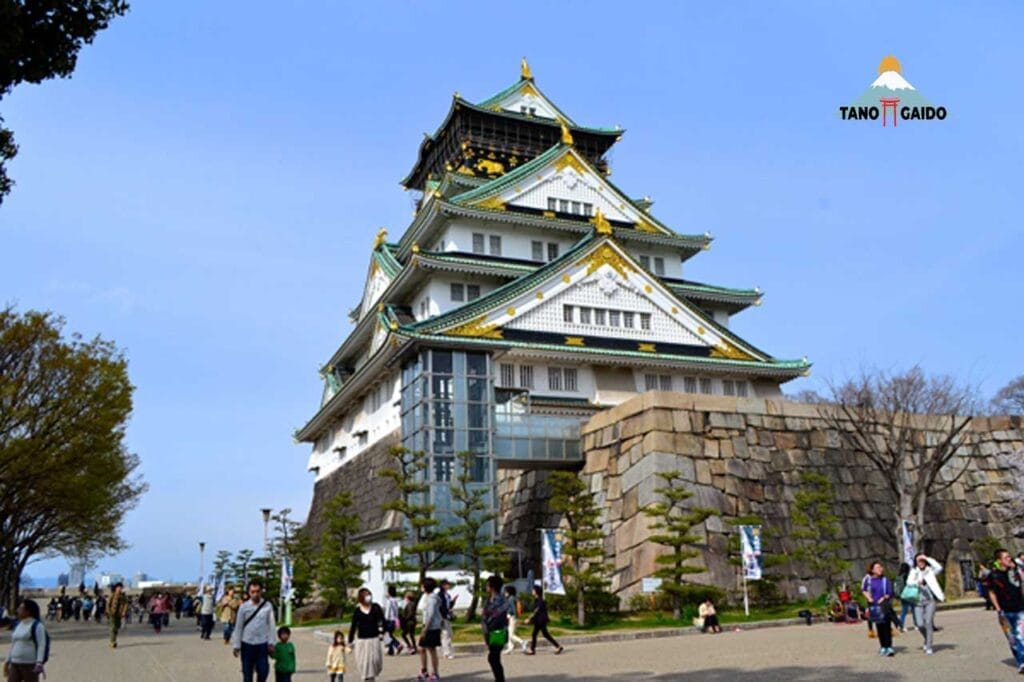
{"points": [[446, 409]]}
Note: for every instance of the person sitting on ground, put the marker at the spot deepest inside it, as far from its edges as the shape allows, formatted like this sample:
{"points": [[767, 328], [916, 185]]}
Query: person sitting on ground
{"points": [[709, 616]]}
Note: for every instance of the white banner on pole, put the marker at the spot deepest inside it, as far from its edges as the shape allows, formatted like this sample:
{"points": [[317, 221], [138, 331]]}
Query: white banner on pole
{"points": [[286, 579], [551, 558], [908, 541], [750, 537]]}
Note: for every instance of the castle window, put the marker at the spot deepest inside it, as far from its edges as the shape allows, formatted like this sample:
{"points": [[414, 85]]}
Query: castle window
{"points": [[576, 207], [495, 245], [537, 248], [659, 265], [552, 251], [690, 384], [728, 387], [705, 386], [741, 389], [508, 375], [627, 319], [458, 292], [563, 205], [569, 377], [588, 209], [555, 378], [552, 204], [567, 313], [599, 316], [526, 376], [613, 318], [645, 320], [472, 292], [533, 111], [645, 261], [478, 243], [584, 315]]}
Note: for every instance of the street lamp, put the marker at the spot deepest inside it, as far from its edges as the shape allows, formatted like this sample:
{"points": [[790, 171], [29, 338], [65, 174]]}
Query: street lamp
{"points": [[202, 563], [266, 528]]}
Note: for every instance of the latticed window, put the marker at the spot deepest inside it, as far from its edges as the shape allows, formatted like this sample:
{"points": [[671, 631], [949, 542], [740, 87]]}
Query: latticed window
{"points": [[569, 375], [659, 266], [627, 320], [690, 384], [478, 243], [645, 261], [650, 382], [567, 313], [552, 251], [555, 378], [508, 375], [665, 382], [552, 204], [537, 248], [458, 292], [599, 316], [728, 387], [645, 320], [705, 386], [588, 209], [741, 389], [526, 376], [613, 318], [584, 315], [495, 244], [472, 292]]}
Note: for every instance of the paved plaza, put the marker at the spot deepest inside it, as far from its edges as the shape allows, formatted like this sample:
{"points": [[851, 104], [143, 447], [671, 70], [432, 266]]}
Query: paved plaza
{"points": [[970, 647]]}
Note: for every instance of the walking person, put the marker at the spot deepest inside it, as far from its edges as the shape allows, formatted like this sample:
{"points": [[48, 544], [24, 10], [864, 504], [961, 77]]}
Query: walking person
{"points": [[1004, 589], [119, 607], [336, 658], [29, 645], [100, 608], [284, 655], [540, 622], [227, 609], [495, 626], [907, 597], [407, 621], [253, 638], [929, 593], [877, 589], [447, 605], [367, 631], [430, 635], [179, 605], [206, 613], [158, 609], [391, 620], [87, 605], [515, 612]]}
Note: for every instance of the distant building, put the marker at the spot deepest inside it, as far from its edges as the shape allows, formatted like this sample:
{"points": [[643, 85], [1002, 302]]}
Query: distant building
{"points": [[107, 579], [76, 576], [139, 577]]}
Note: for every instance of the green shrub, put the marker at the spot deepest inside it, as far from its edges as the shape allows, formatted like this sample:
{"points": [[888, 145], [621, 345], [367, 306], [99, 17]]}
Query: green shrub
{"points": [[597, 603]]}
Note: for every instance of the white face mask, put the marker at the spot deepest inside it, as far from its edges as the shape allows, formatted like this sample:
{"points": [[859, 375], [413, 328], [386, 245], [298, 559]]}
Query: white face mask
{"points": [[367, 599]]}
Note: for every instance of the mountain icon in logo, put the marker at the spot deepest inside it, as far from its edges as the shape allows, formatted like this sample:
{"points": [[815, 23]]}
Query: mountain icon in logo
{"points": [[891, 92]]}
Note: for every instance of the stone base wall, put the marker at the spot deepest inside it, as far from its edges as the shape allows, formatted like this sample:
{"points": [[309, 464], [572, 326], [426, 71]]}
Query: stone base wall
{"points": [[523, 510], [745, 456], [361, 478]]}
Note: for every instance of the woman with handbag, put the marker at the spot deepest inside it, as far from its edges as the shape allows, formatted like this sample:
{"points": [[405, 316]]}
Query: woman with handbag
{"points": [[908, 597], [495, 626], [877, 589], [929, 593]]}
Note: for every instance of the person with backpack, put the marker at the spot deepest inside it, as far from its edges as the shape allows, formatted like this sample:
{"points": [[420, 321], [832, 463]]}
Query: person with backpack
{"points": [[495, 626], [255, 634], [30, 645], [877, 589], [515, 612]]}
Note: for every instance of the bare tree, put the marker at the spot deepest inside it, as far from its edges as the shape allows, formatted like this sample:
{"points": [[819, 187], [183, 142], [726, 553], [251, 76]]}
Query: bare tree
{"points": [[1010, 398], [880, 415]]}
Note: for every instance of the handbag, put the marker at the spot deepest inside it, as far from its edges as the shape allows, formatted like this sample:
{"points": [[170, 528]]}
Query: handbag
{"points": [[877, 614], [497, 637], [910, 593]]}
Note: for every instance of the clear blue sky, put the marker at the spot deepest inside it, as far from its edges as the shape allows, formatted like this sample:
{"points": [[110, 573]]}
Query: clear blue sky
{"points": [[206, 189]]}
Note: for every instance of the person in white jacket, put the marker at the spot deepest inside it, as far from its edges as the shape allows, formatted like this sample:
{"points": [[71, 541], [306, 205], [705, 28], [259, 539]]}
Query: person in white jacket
{"points": [[923, 576]]}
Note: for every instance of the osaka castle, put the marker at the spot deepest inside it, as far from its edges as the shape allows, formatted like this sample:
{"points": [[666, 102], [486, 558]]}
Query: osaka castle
{"points": [[528, 292]]}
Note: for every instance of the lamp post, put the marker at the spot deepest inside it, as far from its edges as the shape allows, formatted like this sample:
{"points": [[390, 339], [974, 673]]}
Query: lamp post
{"points": [[266, 529], [202, 563]]}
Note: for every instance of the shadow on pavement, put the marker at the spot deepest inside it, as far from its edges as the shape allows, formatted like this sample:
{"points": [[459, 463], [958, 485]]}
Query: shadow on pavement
{"points": [[789, 673]]}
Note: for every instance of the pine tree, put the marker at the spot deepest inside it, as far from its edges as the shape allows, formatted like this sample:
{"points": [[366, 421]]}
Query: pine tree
{"points": [[472, 537], [582, 550], [339, 565], [675, 522], [766, 590], [424, 543], [816, 528]]}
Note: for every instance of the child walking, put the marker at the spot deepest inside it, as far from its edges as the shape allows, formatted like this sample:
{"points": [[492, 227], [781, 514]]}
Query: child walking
{"points": [[284, 656], [336, 658]]}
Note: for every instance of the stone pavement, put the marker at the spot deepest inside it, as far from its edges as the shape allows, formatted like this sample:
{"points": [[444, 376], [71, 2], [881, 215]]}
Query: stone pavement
{"points": [[970, 647]]}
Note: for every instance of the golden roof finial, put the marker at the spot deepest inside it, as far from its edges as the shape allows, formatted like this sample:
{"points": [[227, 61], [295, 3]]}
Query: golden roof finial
{"points": [[524, 71], [382, 235], [601, 223], [566, 135]]}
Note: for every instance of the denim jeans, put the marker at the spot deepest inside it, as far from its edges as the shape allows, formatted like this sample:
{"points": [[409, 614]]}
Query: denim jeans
{"points": [[255, 659], [1012, 626], [908, 607], [229, 629]]}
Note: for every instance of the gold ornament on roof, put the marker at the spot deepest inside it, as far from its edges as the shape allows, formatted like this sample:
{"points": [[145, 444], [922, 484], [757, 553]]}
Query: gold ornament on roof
{"points": [[574, 341], [726, 350], [382, 234], [606, 255], [647, 348], [477, 328], [494, 203], [569, 160], [415, 248], [524, 70], [566, 135], [601, 223]]}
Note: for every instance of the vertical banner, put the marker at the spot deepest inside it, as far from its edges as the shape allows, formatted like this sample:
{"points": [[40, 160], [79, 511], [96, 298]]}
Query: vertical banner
{"points": [[286, 579], [551, 558], [750, 538], [908, 541]]}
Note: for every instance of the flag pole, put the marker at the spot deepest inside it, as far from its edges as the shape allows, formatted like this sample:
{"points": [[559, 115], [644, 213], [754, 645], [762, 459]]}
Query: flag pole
{"points": [[746, 596]]}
